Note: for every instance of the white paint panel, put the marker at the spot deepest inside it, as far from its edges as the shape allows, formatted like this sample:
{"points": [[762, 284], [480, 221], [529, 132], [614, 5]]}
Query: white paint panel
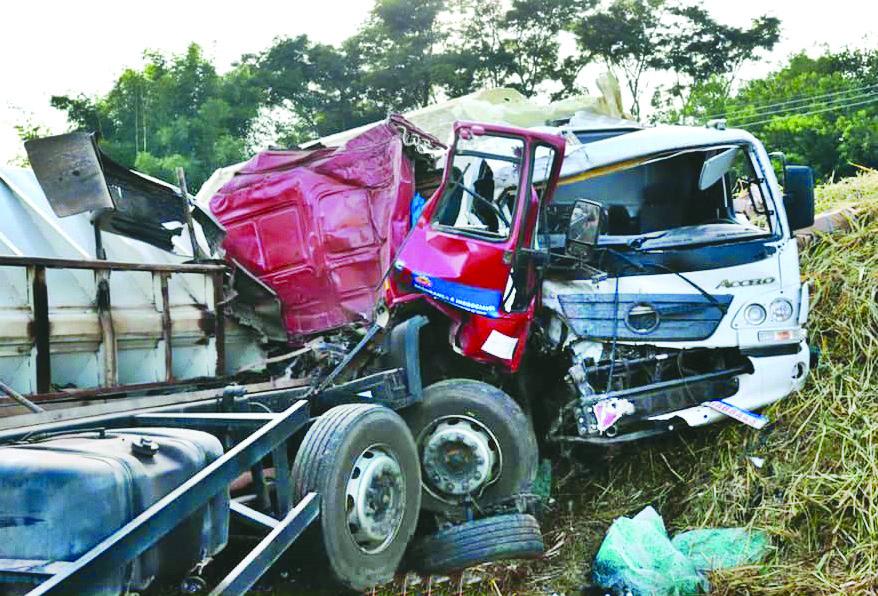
{"points": [[500, 345]]}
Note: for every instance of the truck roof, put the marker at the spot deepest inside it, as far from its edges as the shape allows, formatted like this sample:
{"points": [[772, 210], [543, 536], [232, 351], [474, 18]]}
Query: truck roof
{"points": [[648, 141]]}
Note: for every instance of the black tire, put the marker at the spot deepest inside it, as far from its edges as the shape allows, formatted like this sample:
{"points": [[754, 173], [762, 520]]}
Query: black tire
{"points": [[496, 411], [510, 536], [325, 463]]}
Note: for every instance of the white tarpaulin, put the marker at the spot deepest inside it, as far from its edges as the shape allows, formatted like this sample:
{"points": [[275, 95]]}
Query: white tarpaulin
{"points": [[505, 106]]}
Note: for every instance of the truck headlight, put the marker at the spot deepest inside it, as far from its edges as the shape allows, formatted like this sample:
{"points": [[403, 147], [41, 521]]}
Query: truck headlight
{"points": [[755, 314], [781, 310]]}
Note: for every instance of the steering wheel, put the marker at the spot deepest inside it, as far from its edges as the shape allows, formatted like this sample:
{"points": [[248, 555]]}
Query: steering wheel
{"points": [[490, 204]]}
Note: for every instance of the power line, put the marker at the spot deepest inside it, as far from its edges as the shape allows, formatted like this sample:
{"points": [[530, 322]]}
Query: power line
{"points": [[794, 100], [811, 113], [812, 105], [841, 106], [857, 92]]}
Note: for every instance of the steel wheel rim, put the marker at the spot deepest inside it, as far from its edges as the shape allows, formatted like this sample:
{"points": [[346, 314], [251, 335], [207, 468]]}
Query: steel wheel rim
{"points": [[434, 453], [375, 499]]}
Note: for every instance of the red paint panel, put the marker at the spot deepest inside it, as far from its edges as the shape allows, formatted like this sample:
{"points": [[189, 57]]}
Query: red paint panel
{"points": [[475, 330], [478, 264], [344, 220], [248, 250], [283, 223]]}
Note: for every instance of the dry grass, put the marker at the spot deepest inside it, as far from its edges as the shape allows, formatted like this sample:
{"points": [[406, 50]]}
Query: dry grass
{"points": [[817, 494], [854, 190]]}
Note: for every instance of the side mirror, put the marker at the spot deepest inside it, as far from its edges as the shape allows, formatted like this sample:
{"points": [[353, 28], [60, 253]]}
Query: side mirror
{"points": [[587, 222], [798, 197]]}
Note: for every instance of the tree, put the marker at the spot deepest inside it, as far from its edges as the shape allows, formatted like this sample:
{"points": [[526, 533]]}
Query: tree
{"points": [[518, 47], [819, 111], [703, 49], [476, 56], [628, 35], [400, 47], [640, 36], [319, 86], [533, 42], [177, 110], [174, 111]]}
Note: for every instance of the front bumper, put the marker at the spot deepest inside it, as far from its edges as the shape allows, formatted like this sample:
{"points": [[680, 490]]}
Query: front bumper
{"points": [[774, 377], [772, 374]]}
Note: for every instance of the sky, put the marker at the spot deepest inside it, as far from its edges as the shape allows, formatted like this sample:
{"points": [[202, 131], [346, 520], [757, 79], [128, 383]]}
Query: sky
{"points": [[56, 48]]}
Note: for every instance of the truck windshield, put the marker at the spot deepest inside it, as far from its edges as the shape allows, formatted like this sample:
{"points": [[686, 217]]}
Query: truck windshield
{"points": [[482, 186], [670, 200]]}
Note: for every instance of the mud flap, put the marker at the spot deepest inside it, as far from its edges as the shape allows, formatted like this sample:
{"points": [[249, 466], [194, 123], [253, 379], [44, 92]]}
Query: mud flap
{"points": [[402, 350]]}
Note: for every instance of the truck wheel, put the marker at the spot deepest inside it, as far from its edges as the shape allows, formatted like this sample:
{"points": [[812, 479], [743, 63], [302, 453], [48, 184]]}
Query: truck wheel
{"points": [[361, 460], [510, 536], [474, 442]]}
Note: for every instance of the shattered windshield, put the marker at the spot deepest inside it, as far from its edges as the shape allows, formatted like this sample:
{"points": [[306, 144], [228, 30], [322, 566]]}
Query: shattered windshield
{"points": [[480, 195], [698, 195]]}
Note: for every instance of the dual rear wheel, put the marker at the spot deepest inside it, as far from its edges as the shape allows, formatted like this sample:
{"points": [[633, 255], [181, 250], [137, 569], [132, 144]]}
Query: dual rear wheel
{"points": [[362, 461], [476, 446], [467, 446]]}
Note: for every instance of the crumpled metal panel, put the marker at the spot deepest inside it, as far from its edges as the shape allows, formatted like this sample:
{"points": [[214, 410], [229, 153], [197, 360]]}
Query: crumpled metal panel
{"points": [[77, 177], [320, 226]]}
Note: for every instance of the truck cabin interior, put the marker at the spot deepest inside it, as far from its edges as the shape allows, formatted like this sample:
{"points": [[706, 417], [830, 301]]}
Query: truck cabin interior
{"points": [[479, 198], [702, 194]]}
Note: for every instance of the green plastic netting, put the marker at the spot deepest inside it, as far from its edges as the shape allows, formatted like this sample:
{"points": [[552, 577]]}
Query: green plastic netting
{"points": [[637, 557]]}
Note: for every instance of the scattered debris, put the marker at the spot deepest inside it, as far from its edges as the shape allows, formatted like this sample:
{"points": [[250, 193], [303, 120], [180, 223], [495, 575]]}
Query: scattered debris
{"points": [[757, 461], [751, 419]]}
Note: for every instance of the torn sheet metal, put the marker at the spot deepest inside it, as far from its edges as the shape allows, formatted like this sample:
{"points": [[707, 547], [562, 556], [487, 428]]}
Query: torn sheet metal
{"points": [[319, 226], [77, 177]]}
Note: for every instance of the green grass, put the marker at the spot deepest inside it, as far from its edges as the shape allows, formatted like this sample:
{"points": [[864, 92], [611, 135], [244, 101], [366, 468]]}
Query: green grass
{"points": [[816, 495]]}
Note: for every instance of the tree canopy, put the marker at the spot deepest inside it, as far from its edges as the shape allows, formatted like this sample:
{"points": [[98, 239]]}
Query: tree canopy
{"points": [[178, 110], [819, 111], [172, 112]]}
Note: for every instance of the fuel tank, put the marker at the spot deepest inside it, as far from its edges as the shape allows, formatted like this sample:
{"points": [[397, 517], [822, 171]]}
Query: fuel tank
{"points": [[62, 496]]}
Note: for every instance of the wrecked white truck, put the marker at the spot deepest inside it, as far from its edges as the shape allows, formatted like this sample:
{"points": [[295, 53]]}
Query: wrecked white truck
{"points": [[595, 285], [560, 286], [674, 290]]}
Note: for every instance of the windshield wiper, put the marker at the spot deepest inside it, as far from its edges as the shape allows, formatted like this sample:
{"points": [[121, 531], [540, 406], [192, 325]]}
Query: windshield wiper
{"points": [[643, 266], [636, 243]]}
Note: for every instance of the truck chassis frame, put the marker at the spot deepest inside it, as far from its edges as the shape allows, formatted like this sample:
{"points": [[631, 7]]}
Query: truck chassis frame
{"points": [[250, 438]]}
